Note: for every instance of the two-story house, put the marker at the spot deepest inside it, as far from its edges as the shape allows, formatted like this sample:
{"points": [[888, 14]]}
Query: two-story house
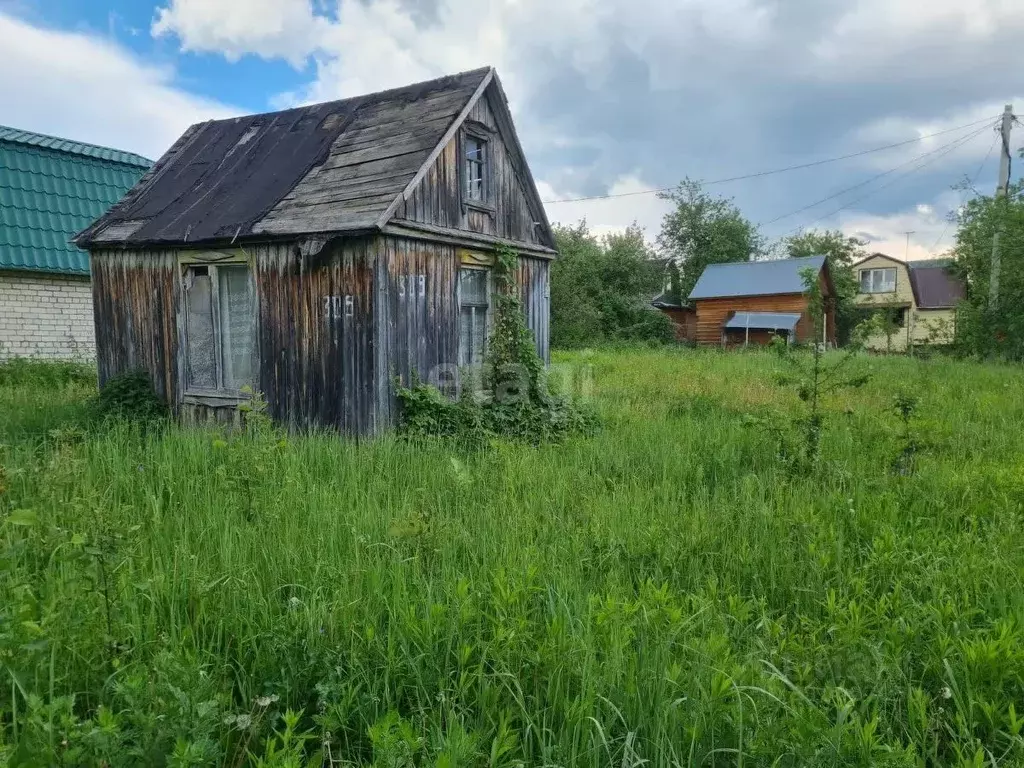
{"points": [[921, 297]]}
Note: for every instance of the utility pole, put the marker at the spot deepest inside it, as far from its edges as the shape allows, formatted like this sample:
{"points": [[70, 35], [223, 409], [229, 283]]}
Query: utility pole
{"points": [[1002, 190], [908, 234]]}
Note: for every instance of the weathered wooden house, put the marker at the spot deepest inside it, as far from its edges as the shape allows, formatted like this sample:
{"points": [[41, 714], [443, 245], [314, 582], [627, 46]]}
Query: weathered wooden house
{"points": [[751, 302], [316, 253]]}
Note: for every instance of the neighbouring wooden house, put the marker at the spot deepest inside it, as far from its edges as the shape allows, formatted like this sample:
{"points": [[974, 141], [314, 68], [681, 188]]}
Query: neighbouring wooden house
{"points": [[682, 315], [920, 297], [317, 253], [752, 302], [49, 189]]}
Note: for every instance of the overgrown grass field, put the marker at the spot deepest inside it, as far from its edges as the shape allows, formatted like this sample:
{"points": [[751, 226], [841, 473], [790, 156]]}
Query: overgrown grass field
{"points": [[668, 592]]}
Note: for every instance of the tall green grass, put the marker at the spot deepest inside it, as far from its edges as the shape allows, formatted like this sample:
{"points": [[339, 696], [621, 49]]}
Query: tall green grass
{"points": [[666, 593]]}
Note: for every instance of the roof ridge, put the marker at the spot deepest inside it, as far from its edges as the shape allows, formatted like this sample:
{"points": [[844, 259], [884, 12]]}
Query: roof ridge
{"points": [[72, 146], [386, 92]]}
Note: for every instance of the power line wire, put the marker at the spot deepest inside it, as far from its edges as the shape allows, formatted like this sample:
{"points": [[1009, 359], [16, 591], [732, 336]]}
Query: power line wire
{"points": [[963, 198], [864, 183], [775, 171], [952, 146]]}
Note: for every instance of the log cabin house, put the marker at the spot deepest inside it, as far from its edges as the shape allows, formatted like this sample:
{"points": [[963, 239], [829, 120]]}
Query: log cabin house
{"points": [[751, 302], [315, 254]]}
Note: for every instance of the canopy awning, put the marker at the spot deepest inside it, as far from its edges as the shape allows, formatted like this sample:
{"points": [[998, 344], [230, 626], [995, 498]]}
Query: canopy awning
{"points": [[762, 321]]}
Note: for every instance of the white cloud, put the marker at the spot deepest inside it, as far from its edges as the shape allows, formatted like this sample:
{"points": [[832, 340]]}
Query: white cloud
{"points": [[86, 88], [930, 235], [286, 29]]}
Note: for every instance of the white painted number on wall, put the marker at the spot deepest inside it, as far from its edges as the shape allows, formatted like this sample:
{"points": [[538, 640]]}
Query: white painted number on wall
{"points": [[337, 306], [412, 286]]}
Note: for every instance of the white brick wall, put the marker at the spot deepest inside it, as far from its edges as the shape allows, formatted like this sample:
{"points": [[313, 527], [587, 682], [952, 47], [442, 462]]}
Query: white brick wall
{"points": [[46, 316]]}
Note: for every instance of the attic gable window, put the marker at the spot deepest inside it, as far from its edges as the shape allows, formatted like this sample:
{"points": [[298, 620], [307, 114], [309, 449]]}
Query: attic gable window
{"points": [[220, 329], [476, 169]]}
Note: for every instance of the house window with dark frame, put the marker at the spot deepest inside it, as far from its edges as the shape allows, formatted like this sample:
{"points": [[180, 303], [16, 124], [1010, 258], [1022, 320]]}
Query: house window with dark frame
{"points": [[878, 280], [220, 329], [476, 169], [474, 302]]}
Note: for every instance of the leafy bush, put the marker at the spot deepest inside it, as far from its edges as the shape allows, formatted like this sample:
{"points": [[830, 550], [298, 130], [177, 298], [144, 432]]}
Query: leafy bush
{"points": [[601, 289], [130, 397]]}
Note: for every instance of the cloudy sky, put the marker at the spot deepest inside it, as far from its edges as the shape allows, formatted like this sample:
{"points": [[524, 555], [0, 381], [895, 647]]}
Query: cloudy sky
{"points": [[610, 96]]}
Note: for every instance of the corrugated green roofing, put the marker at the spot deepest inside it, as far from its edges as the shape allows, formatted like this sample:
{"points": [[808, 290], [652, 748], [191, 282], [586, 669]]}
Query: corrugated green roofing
{"points": [[50, 189], [58, 144]]}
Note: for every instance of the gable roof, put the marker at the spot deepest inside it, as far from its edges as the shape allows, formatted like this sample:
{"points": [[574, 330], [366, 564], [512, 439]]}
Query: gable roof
{"points": [[934, 284], [49, 189], [754, 278], [337, 167], [877, 255]]}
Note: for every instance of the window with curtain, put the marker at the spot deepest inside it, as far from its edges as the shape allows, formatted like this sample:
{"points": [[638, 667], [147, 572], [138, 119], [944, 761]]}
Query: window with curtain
{"points": [[220, 328], [878, 280], [473, 304]]}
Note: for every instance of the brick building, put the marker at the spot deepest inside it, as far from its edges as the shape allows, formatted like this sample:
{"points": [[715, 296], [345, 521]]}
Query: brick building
{"points": [[50, 189]]}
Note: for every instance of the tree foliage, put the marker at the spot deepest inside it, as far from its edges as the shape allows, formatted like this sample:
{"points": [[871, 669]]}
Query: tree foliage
{"points": [[601, 288], [704, 229], [841, 252], [983, 327]]}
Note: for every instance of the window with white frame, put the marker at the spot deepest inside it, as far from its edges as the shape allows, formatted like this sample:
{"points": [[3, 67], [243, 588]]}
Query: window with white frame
{"points": [[878, 280], [220, 328], [476, 169], [474, 300]]}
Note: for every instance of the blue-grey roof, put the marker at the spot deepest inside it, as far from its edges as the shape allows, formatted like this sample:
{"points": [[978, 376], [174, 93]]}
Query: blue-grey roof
{"points": [[754, 278], [763, 321]]}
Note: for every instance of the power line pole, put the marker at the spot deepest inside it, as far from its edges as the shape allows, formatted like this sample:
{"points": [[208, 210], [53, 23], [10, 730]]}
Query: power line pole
{"points": [[1002, 190], [906, 254]]}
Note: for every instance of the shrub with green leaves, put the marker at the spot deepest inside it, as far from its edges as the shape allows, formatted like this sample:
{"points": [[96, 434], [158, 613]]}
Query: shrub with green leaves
{"points": [[130, 397]]}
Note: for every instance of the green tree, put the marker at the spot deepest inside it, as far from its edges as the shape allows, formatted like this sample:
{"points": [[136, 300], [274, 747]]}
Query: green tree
{"points": [[985, 327], [601, 288], [841, 252], [704, 229]]}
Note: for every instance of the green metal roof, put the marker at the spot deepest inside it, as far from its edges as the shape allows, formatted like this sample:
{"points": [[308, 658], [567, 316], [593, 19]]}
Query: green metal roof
{"points": [[51, 189]]}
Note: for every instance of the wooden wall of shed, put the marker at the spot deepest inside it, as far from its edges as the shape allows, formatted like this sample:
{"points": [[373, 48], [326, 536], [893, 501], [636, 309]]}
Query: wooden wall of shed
{"points": [[135, 299], [419, 332], [684, 321], [316, 359], [416, 331], [712, 314], [438, 198], [533, 277]]}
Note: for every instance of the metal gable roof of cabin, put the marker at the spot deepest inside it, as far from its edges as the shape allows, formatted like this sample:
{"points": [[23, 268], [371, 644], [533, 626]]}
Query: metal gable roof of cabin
{"points": [[336, 167], [754, 278], [49, 189], [934, 285]]}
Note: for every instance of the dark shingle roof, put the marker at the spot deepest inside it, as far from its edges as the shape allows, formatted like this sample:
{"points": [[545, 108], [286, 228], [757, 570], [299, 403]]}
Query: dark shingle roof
{"points": [[934, 285], [49, 189], [332, 167], [754, 278]]}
